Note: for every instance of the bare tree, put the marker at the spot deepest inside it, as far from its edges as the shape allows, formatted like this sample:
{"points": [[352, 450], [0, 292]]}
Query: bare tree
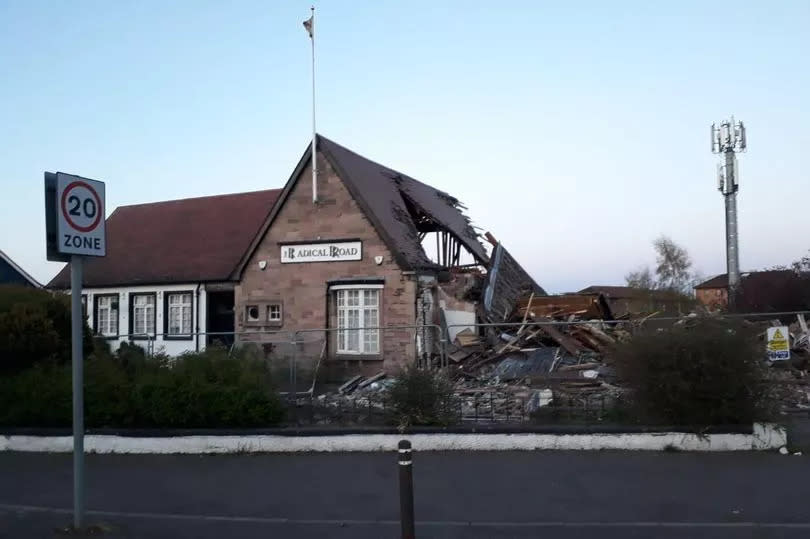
{"points": [[641, 278], [673, 265], [802, 265], [672, 270]]}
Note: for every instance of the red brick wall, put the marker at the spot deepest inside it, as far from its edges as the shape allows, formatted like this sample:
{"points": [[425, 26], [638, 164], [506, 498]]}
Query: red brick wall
{"points": [[714, 298], [302, 288]]}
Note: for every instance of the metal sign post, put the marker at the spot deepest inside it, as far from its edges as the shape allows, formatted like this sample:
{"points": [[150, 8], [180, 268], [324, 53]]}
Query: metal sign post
{"points": [[74, 228], [76, 323]]}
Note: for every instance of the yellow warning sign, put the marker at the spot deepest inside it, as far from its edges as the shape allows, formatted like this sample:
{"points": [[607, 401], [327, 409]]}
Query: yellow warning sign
{"points": [[778, 347]]}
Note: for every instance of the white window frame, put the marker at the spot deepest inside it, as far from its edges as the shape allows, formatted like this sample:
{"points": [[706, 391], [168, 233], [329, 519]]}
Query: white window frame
{"points": [[181, 307], [104, 302], [149, 329], [343, 310], [270, 317]]}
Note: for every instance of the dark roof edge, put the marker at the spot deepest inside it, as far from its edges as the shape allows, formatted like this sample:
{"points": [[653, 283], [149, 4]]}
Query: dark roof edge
{"points": [[364, 207], [18, 269], [86, 286]]}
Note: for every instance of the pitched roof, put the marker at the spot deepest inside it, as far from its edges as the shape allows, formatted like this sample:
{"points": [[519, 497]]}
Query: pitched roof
{"points": [[629, 292], [24, 276], [752, 277], [177, 241], [718, 281], [615, 292], [384, 195]]}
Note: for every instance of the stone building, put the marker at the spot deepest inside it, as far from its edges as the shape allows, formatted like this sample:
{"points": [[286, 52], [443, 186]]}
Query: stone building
{"points": [[368, 252], [353, 261]]}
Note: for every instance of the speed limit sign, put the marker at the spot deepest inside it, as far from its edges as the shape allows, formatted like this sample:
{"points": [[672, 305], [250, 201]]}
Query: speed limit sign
{"points": [[80, 216]]}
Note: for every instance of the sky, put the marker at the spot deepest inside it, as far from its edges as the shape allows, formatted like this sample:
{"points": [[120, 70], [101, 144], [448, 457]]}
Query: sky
{"points": [[576, 132]]}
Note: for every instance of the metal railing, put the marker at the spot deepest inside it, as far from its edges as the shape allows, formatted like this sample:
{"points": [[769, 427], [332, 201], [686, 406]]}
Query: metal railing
{"points": [[305, 361]]}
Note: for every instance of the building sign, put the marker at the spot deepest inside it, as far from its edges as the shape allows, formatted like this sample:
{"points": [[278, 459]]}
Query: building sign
{"points": [[777, 346], [322, 252]]}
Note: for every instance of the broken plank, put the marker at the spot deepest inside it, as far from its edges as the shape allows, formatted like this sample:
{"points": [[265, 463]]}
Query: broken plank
{"points": [[349, 386], [459, 355], [598, 333], [369, 381], [467, 340], [580, 367], [587, 339], [570, 345]]}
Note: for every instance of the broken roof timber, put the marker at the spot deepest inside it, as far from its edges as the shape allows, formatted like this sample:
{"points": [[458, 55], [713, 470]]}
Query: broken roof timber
{"points": [[507, 282]]}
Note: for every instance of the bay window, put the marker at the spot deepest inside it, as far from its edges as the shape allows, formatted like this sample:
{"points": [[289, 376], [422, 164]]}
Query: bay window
{"points": [[358, 310]]}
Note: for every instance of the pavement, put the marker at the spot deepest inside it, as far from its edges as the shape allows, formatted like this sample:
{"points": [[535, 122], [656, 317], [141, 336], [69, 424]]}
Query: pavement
{"points": [[457, 495]]}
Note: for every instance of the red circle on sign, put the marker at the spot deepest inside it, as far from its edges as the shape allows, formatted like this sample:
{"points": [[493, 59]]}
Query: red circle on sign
{"points": [[94, 224]]}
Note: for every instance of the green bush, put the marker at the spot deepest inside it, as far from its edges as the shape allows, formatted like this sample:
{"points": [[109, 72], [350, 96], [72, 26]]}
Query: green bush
{"points": [[704, 372], [35, 327], [39, 396], [206, 389], [422, 397]]}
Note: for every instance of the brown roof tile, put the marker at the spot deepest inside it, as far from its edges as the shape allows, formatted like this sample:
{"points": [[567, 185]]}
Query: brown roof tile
{"points": [[177, 241]]}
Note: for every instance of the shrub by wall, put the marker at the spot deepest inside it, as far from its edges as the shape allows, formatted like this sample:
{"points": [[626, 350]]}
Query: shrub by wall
{"points": [[34, 327], [704, 372], [206, 389], [422, 397]]}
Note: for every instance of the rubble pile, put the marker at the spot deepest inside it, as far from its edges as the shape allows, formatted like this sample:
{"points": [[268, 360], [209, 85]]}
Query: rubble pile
{"points": [[552, 354], [790, 379], [551, 350], [358, 392]]}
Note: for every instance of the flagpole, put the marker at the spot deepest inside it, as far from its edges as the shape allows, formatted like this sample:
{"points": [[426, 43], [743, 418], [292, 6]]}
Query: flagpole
{"points": [[314, 133]]}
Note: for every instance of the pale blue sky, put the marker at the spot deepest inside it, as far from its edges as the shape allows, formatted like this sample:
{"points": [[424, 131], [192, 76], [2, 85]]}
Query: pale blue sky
{"points": [[575, 131]]}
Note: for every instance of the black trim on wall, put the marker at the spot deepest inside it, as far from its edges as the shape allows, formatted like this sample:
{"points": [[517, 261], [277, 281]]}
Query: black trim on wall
{"points": [[96, 297], [181, 336], [132, 296]]}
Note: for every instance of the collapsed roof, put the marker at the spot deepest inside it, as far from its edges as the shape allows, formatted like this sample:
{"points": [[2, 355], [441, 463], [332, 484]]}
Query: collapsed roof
{"points": [[401, 208]]}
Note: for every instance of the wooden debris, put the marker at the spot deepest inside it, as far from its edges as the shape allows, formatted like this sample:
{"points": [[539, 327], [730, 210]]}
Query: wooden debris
{"points": [[459, 355], [570, 345], [368, 381], [466, 337], [349, 386], [580, 367]]}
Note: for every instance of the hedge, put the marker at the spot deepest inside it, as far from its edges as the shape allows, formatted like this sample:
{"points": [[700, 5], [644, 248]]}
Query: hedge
{"points": [[34, 328], [705, 371], [195, 390]]}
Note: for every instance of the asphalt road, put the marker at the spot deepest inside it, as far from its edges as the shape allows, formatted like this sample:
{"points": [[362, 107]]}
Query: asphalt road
{"points": [[458, 495]]}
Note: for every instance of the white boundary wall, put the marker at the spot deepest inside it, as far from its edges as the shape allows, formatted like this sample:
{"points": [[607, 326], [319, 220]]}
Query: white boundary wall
{"points": [[766, 436]]}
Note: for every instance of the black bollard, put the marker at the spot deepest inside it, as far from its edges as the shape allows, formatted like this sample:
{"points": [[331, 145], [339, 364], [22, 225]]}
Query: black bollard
{"points": [[406, 489]]}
